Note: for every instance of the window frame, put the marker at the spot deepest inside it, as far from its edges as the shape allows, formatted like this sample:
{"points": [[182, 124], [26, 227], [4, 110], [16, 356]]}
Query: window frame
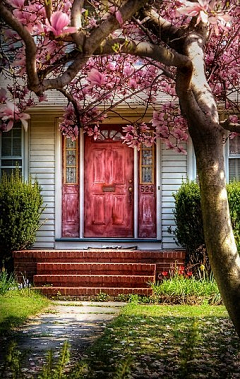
{"points": [[13, 157]]}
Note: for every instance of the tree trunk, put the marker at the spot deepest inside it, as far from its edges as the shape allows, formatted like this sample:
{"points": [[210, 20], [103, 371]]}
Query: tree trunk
{"points": [[199, 108]]}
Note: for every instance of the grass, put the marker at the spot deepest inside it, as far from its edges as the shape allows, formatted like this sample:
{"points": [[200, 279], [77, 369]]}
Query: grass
{"points": [[163, 341], [17, 306], [179, 289], [145, 340]]}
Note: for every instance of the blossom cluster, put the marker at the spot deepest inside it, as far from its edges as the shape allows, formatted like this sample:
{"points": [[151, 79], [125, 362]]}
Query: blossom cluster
{"points": [[104, 82]]}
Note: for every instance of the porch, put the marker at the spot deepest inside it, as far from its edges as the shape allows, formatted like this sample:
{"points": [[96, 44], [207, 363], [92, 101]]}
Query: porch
{"points": [[85, 273]]}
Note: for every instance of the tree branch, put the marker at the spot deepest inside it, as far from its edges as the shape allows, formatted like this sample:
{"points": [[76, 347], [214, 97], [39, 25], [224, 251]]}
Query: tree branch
{"points": [[230, 126], [30, 47], [97, 36], [76, 20], [144, 49], [160, 27]]}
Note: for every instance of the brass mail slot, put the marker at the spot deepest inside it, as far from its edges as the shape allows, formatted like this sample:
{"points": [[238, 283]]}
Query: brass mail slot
{"points": [[108, 188]]}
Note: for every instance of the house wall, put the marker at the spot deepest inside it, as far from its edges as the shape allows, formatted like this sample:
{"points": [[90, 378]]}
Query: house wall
{"points": [[43, 146], [42, 167]]}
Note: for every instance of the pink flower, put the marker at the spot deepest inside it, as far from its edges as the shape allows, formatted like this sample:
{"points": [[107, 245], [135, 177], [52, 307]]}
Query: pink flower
{"points": [[9, 113], [96, 78], [119, 17], [195, 9], [59, 22]]}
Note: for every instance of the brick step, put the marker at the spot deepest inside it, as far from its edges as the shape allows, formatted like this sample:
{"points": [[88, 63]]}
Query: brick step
{"points": [[94, 280], [96, 268], [84, 292], [117, 256]]}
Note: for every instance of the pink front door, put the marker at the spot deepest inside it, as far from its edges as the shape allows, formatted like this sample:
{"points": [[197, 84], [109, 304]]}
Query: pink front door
{"points": [[108, 184]]}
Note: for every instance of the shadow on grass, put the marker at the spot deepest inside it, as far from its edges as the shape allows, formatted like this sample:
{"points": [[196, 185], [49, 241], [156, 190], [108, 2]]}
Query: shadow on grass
{"points": [[164, 347]]}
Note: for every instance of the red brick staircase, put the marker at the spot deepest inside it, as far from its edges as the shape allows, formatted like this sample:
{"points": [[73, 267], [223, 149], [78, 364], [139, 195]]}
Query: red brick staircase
{"points": [[84, 273]]}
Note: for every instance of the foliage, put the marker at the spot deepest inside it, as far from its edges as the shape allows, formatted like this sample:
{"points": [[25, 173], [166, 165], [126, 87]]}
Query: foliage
{"points": [[189, 290], [20, 210], [50, 370], [7, 282], [17, 305], [233, 191], [188, 216], [189, 225]]}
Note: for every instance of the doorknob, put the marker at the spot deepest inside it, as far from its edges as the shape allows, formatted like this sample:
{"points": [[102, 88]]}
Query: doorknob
{"points": [[130, 189], [130, 181]]}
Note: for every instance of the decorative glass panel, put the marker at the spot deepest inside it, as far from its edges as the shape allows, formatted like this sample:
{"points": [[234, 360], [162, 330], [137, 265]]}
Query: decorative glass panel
{"points": [[147, 175], [106, 134], [71, 161], [147, 165]]}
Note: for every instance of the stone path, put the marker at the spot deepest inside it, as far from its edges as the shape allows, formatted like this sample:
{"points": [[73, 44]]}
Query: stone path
{"points": [[79, 323]]}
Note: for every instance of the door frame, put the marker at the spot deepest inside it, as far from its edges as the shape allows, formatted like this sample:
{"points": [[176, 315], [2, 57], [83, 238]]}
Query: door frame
{"points": [[58, 198]]}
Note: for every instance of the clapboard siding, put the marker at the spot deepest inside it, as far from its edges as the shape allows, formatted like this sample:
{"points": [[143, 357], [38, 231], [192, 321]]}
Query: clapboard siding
{"points": [[42, 167], [173, 172]]}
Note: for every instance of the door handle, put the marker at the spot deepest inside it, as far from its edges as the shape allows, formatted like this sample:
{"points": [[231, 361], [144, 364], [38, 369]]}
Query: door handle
{"points": [[130, 189]]}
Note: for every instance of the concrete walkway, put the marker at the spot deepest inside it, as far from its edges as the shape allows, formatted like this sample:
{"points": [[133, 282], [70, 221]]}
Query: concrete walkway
{"points": [[79, 323]]}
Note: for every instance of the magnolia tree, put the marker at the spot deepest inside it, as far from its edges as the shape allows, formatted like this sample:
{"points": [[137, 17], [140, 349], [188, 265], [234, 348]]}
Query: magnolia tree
{"points": [[99, 54]]}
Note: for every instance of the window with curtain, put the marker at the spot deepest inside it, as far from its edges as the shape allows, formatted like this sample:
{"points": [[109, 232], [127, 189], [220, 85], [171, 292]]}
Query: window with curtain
{"points": [[11, 150]]}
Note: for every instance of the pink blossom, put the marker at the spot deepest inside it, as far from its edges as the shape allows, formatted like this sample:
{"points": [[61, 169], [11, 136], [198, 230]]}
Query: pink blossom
{"points": [[128, 128], [119, 17], [195, 9], [96, 78], [9, 113], [59, 22]]}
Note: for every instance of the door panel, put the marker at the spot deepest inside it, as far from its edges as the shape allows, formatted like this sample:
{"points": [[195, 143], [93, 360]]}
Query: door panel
{"points": [[108, 202]]}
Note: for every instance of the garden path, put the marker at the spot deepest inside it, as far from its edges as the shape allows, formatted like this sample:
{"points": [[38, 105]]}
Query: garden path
{"points": [[77, 322]]}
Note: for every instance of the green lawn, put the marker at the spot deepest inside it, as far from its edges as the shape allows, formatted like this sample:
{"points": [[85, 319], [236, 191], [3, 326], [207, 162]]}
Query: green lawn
{"points": [[159, 341], [17, 306]]}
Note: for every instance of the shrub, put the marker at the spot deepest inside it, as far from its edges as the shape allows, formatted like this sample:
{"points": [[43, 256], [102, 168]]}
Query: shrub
{"points": [[189, 225], [188, 216], [233, 190], [20, 210]]}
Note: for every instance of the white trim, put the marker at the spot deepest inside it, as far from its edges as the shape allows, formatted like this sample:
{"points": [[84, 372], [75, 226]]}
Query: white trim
{"points": [[135, 181], [158, 190], [191, 161], [81, 182], [58, 181], [25, 154]]}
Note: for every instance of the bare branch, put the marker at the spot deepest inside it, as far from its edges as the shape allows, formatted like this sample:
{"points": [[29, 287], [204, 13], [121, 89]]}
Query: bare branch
{"points": [[76, 20], [160, 27], [30, 47], [144, 49], [230, 126], [48, 8]]}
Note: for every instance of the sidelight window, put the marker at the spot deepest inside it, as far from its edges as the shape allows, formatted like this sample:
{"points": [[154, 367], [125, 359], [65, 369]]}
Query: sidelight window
{"points": [[147, 165], [70, 161]]}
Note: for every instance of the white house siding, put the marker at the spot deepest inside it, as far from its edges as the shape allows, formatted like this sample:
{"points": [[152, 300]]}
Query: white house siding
{"points": [[42, 167], [173, 172]]}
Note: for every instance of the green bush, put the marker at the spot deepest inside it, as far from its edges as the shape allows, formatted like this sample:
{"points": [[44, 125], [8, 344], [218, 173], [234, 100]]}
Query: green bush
{"points": [[20, 209], [233, 191], [189, 225], [188, 216]]}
